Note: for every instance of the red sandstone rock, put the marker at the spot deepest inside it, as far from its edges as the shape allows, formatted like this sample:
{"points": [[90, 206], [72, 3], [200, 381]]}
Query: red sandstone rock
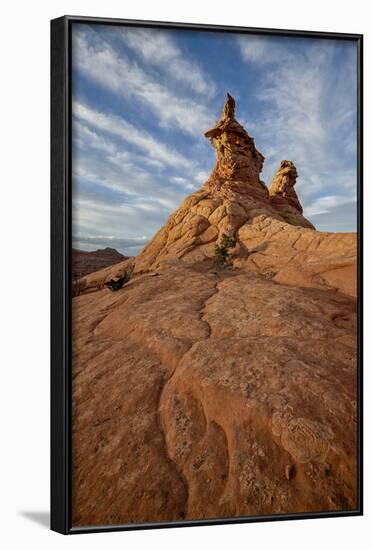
{"points": [[282, 193]]}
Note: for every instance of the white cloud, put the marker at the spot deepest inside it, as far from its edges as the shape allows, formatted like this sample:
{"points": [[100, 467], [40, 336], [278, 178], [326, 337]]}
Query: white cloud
{"points": [[339, 217], [323, 205], [117, 126], [263, 50], [98, 60], [115, 192], [125, 221], [129, 174], [157, 47], [309, 105], [106, 172], [201, 176]]}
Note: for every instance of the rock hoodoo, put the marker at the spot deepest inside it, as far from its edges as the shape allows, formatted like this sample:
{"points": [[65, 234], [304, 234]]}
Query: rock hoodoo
{"points": [[283, 195], [239, 163]]}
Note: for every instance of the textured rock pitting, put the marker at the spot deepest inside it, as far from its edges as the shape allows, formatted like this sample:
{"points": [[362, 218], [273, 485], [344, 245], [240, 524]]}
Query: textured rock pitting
{"points": [[201, 395]]}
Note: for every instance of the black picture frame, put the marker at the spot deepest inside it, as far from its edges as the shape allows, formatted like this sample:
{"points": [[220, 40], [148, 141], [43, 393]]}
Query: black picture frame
{"points": [[61, 245]]}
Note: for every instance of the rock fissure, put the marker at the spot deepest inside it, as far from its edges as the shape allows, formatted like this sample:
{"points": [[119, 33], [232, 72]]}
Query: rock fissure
{"points": [[167, 383]]}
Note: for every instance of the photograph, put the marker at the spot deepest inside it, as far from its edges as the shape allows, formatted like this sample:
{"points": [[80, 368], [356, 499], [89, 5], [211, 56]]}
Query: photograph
{"points": [[214, 274]]}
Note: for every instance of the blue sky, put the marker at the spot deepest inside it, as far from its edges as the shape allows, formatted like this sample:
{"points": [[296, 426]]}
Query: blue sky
{"points": [[142, 99]]}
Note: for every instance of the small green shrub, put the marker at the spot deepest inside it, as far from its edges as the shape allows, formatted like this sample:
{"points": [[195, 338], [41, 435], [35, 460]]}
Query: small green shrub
{"points": [[222, 250]]}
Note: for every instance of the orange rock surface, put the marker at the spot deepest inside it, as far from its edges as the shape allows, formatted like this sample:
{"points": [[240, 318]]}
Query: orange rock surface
{"points": [[205, 390]]}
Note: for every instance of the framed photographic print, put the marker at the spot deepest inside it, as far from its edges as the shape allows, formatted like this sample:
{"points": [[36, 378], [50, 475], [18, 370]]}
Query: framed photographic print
{"points": [[206, 274]]}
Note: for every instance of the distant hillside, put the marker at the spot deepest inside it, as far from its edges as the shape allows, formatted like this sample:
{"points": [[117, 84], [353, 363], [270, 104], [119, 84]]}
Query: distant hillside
{"points": [[84, 262]]}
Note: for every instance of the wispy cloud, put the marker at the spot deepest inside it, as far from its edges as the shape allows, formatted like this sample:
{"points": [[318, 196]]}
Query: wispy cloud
{"points": [[339, 217], [158, 48], [99, 61], [117, 126], [324, 205], [309, 107], [97, 218], [263, 50], [116, 202], [119, 190], [151, 171]]}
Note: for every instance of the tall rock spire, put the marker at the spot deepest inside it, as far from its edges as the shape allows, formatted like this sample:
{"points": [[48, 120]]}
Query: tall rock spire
{"points": [[239, 163]]}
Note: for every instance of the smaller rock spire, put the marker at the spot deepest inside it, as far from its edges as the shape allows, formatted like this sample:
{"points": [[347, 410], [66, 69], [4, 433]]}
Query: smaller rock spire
{"points": [[282, 185]]}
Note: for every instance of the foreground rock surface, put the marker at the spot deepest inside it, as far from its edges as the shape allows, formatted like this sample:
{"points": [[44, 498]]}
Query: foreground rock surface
{"points": [[183, 412]]}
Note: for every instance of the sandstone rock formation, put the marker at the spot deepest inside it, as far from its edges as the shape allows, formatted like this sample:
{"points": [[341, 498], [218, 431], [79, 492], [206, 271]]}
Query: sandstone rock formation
{"points": [[202, 390], [232, 197], [273, 237], [282, 193]]}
